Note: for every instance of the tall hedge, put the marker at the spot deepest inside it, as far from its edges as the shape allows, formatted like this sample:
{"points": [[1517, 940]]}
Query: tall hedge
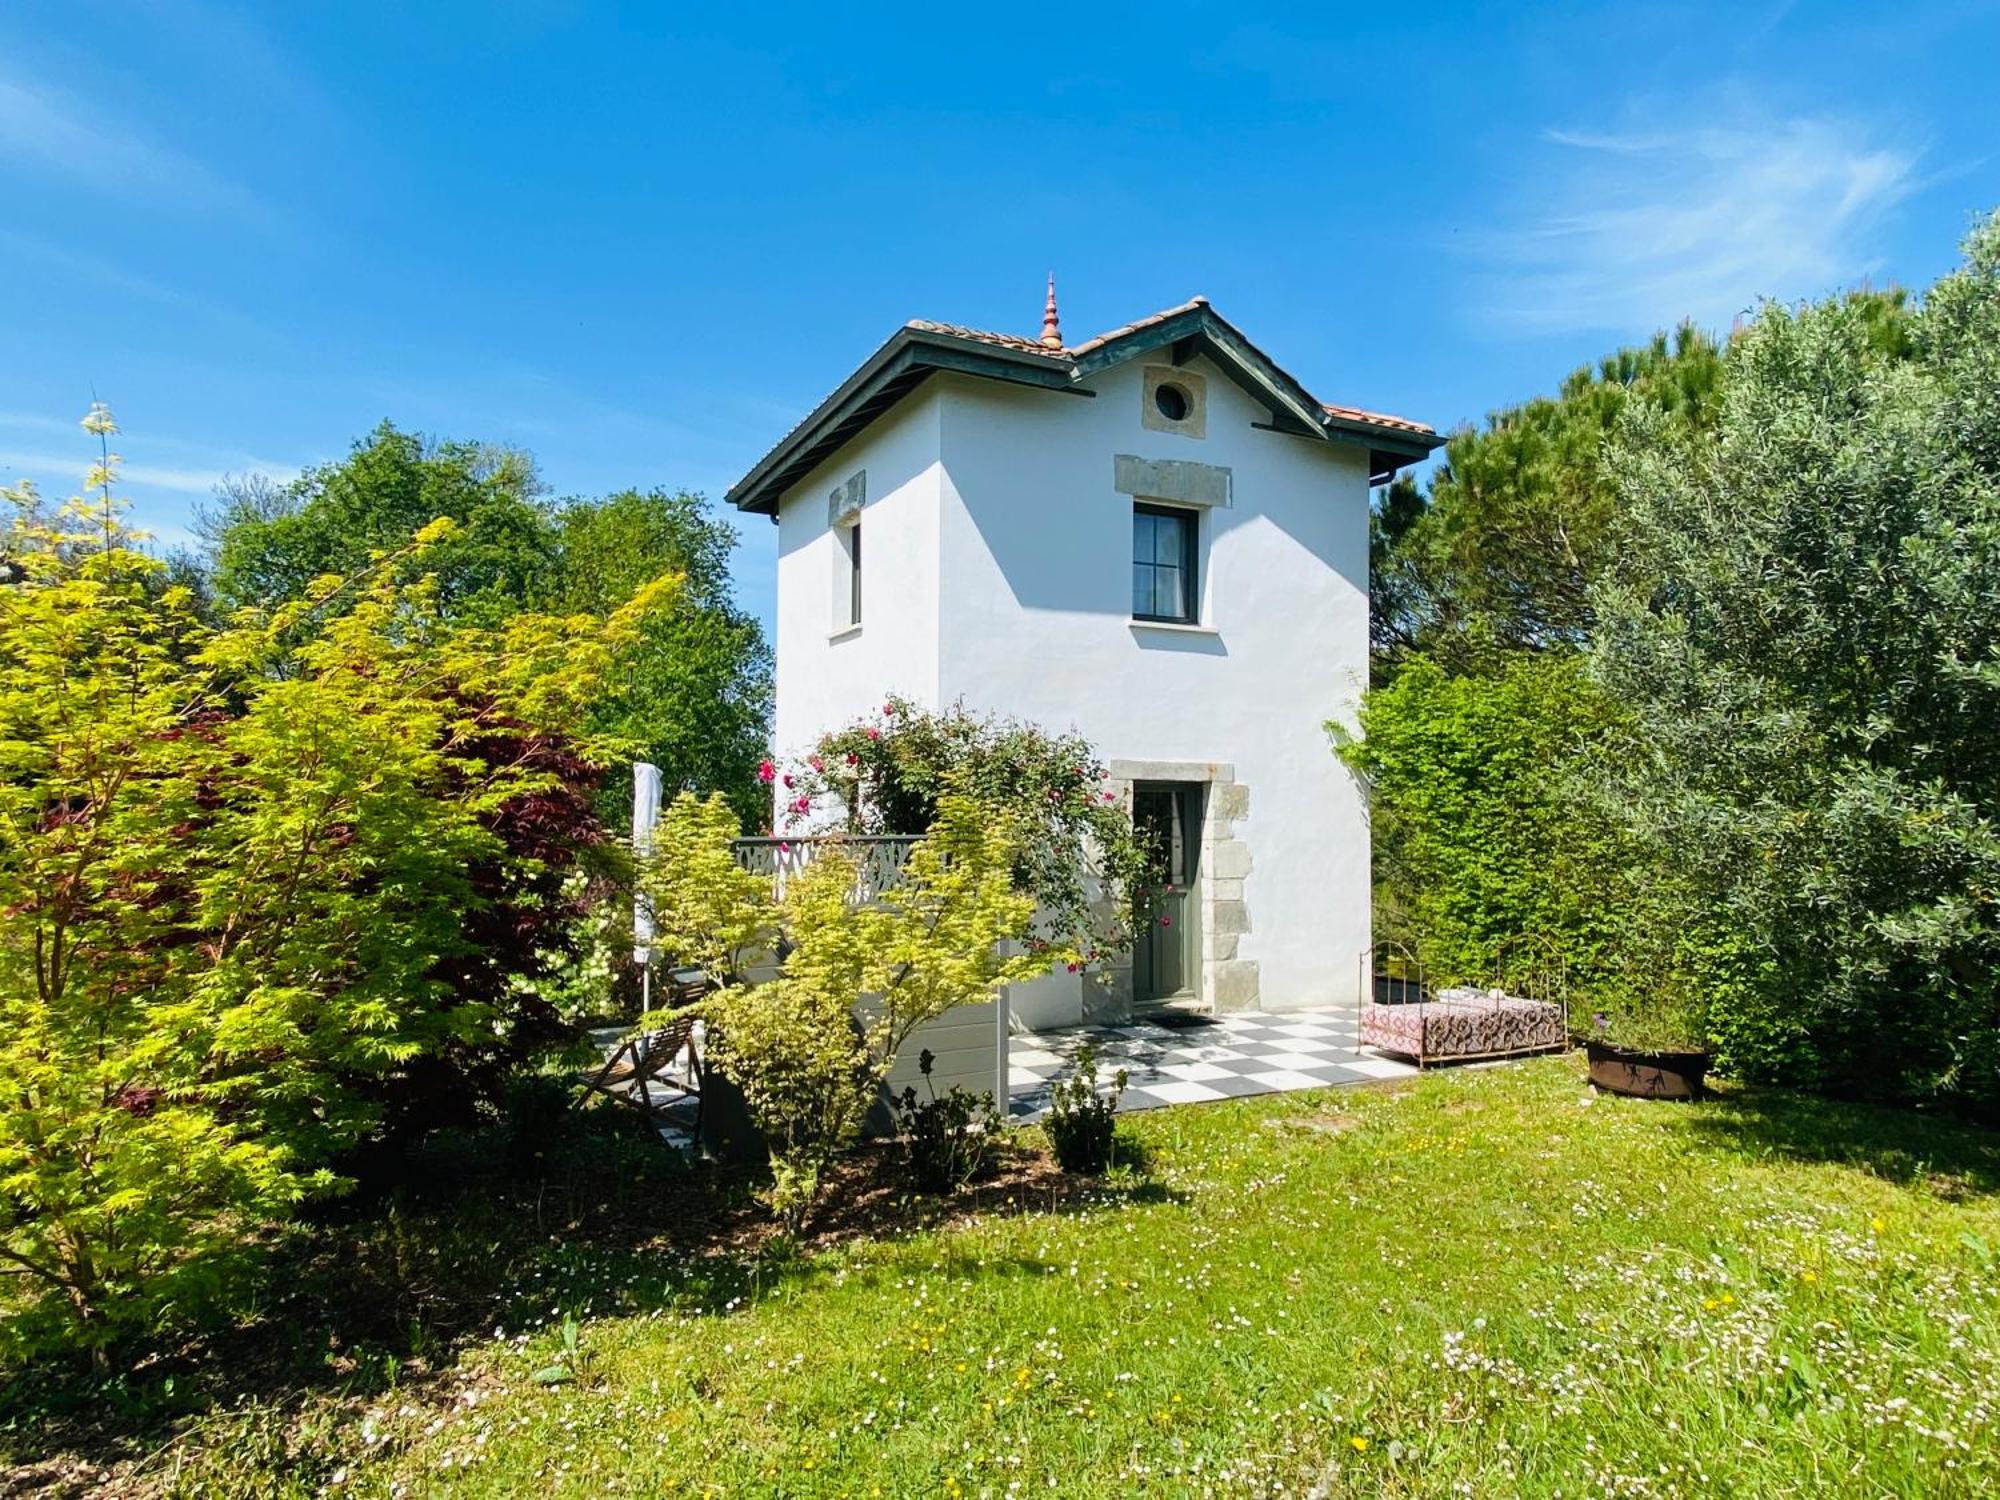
{"points": [[1806, 638], [1487, 858]]}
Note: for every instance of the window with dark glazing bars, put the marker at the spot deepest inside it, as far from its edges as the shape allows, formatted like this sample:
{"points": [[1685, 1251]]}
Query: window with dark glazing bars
{"points": [[1163, 564], [854, 574]]}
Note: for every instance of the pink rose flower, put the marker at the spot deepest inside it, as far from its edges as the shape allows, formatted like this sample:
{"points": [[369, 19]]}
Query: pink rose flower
{"points": [[853, 759], [765, 771], [803, 805], [814, 762], [789, 783], [874, 733]]}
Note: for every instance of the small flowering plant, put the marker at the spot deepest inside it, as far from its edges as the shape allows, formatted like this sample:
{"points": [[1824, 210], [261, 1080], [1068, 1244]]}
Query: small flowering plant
{"points": [[1077, 853]]}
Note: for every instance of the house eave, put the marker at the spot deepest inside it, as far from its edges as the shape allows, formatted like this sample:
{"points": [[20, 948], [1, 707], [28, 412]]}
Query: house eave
{"points": [[905, 360], [913, 353]]}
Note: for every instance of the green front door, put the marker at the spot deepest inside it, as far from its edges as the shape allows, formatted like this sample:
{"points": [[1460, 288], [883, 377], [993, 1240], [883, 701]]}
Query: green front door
{"points": [[1167, 816]]}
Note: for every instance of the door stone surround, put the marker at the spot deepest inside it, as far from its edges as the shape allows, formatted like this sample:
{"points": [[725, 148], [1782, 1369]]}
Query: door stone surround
{"points": [[1228, 982]]}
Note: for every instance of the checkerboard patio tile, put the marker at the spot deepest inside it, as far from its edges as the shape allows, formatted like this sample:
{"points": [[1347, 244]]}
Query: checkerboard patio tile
{"points": [[1230, 1057]]}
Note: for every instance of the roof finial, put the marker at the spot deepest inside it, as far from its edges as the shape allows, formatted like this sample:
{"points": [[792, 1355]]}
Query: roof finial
{"points": [[1051, 324]]}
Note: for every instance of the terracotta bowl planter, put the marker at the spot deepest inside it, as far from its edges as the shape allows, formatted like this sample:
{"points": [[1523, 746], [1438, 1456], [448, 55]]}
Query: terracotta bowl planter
{"points": [[1647, 1075]]}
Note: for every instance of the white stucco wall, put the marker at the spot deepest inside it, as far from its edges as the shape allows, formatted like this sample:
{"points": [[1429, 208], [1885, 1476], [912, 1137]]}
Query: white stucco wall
{"points": [[826, 678], [1000, 502], [1036, 561]]}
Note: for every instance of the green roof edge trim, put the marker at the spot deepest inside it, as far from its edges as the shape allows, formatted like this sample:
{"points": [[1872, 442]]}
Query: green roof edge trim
{"points": [[911, 354]]}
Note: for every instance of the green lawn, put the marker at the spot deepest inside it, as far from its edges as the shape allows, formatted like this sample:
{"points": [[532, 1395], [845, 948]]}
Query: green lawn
{"points": [[1489, 1283]]}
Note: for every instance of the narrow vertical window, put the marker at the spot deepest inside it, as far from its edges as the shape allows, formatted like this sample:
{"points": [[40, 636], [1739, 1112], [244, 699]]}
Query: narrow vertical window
{"points": [[854, 574], [847, 577], [1164, 585]]}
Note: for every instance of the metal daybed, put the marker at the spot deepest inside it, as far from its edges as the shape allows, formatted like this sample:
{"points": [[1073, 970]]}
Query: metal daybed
{"points": [[1402, 1015]]}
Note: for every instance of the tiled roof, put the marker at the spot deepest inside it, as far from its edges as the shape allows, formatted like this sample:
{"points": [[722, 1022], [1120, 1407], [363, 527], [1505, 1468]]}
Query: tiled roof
{"points": [[1034, 346], [1024, 345], [983, 336], [1134, 327], [1049, 366], [1378, 419]]}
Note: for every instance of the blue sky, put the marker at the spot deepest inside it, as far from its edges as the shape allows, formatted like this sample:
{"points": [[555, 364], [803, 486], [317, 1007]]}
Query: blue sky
{"points": [[642, 240]]}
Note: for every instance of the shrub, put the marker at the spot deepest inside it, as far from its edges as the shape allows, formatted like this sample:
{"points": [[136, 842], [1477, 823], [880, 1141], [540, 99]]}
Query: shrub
{"points": [[793, 1044], [1804, 644], [948, 1140], [810, 1048], [709, 912], [1082, 1124], [1489, 856], [241, 875]]}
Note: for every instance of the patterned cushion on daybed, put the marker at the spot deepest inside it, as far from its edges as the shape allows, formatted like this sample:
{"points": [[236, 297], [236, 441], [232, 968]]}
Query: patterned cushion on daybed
{"points": [[1463, 1022]]}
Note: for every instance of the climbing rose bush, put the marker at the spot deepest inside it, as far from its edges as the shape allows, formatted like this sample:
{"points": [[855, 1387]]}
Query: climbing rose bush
{"points": [[1075, 852]]}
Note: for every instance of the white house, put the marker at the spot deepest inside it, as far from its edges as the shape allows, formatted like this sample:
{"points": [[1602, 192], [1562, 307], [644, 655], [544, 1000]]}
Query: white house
{"points": [[1156, 537]]}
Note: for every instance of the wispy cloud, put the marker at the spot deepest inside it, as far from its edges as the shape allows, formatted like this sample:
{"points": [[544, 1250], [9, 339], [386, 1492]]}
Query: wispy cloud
{"points": [[55, 452], [1632, 230], [40, 466], [55, 134]]}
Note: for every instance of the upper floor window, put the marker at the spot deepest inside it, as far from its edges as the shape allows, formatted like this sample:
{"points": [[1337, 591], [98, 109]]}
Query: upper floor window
{"points": [[1164, 585], [847, 599], [843, 516]]}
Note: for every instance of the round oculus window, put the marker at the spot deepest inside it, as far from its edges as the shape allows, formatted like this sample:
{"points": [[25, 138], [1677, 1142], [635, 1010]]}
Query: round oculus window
{"points": [[1171, 401]]}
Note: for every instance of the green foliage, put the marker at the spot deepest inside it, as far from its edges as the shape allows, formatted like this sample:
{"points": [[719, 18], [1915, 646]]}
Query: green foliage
{"points": [[810, 1047], [1504, 850], [793, 1044], [693, 691], [238, 869], [709, 913], [1501, 554], [269, 544], [690, 687], [952, 931], [1522, 515], [1076, 852], [570, 1360], [1807, 641], [1081, 1123], [1478, 846], [949, 1138]]}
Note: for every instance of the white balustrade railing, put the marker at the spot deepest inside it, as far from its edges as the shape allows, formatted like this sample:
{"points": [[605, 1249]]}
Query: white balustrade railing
{"points": [[880, 858]]}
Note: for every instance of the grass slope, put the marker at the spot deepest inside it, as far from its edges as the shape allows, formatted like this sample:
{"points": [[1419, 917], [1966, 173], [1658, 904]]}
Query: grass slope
{"points": [[1489, 1283]]}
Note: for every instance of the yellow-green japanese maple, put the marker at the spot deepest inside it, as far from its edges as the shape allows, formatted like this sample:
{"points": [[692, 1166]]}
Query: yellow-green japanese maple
{"points": [[810, 1047], [239, 870]]}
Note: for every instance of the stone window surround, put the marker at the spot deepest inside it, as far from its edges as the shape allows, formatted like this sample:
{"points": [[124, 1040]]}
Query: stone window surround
{"points": [[1228, 982], [843, 515], [1195, 423]]}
